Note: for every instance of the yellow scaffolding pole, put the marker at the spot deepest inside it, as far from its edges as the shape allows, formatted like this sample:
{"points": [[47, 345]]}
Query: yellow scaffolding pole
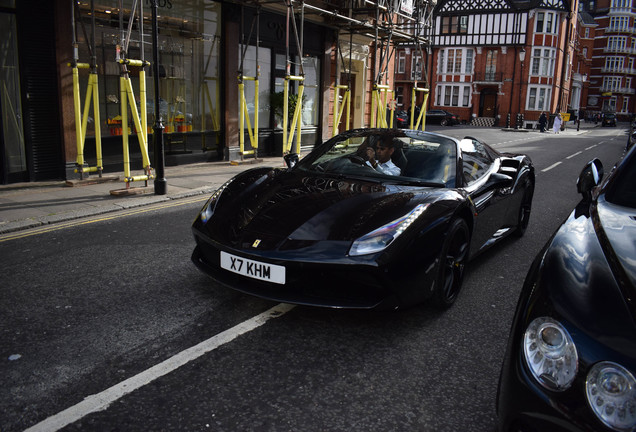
{"points": [[378, 108], [245, 115], [422, 116], [81, 119], [288, 138], [127, 99], [346, 104]]}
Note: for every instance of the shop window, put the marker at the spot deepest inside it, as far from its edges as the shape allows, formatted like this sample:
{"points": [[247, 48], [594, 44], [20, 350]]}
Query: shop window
{"points": [[189, 85], [264, 83]]}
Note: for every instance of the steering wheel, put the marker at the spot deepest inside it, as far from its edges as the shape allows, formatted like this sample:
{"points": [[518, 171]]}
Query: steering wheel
{"points": [[357, 159]]}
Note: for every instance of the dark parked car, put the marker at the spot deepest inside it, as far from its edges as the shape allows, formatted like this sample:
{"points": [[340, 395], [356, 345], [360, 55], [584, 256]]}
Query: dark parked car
{"points": [[571, 355], [401, 119], [333, 231], [441, 117], [609, 119]]}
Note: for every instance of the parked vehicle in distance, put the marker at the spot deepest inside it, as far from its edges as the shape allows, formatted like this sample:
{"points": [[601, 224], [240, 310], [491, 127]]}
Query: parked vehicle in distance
{"points": [[333, 231], [401, 119], [609, 119], [570, 364], [441, 117]]}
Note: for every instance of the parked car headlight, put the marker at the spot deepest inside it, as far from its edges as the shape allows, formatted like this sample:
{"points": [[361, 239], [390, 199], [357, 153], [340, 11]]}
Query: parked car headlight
{"points": [[379, 239], [611, 393], [550, 353]]}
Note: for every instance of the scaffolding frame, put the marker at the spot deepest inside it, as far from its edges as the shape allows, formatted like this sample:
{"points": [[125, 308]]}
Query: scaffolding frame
{"points": [[92, 95], [127, 96]]}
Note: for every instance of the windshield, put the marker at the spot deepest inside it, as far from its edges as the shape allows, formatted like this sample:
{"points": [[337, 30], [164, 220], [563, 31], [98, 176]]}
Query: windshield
{"points": [[387, 155], [622, 191]]}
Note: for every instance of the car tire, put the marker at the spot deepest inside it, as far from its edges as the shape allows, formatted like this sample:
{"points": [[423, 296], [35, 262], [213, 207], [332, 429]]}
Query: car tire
{"points": [[524, 209], [452, 262], [443, 122]]}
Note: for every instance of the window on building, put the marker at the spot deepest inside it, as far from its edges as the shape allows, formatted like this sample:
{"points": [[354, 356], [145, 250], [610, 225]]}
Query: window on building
{"points": [[617, 43], [455, 24], [540, 19], [539, 98], [585, 52], [613, 64], [401, 63], [543, 61], [619, 23], [611, 84], [399, 96], [453, 95], [456, 61], [249, 69], [416, 67], [625, 108], [491, 65], [621, 4], [466, 99], [587, 33], [546, 22], [469, 62]]}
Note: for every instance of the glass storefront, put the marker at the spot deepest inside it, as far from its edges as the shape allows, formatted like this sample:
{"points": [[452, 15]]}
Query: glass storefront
{"points": [[14, 166], [189, 49]]}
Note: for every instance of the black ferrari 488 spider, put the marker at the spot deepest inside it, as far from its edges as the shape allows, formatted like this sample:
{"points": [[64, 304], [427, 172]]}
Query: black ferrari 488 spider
{"points": [[341, 229]]}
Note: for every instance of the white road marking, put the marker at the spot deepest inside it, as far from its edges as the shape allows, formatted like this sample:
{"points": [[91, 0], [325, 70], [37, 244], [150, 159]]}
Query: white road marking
{"points": [[554, 165], [573, 155], [101, 401]]}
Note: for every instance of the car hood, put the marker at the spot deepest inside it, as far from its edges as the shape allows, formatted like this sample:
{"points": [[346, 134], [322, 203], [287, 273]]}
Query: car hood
{"points": [[585, 281], [290, 209]]}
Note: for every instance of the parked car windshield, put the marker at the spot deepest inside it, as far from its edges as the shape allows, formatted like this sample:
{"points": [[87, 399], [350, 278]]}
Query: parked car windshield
{"points": [[622, 191], [421, 157]]}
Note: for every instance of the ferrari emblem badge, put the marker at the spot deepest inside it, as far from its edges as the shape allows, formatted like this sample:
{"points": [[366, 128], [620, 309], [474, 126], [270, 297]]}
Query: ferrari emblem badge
{"points": [[256, 243]]}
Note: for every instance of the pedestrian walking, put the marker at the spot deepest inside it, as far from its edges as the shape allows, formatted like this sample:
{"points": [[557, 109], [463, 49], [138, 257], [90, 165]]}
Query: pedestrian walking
{"points": [[543, 121], [557, 123]]}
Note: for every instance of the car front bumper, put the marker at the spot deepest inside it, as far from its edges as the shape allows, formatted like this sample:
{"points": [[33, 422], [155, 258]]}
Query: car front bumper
{"points": [[347, 282]]}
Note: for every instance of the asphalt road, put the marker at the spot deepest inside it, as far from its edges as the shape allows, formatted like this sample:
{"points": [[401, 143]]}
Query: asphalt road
{"points": [[98, 323]]}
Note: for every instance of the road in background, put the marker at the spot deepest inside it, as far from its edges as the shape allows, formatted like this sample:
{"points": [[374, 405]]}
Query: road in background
{"points": [[89, 306]]}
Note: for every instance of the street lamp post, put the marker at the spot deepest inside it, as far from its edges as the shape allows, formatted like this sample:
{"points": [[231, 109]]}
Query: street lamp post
{"points": [[522, 57], [161, 184]]}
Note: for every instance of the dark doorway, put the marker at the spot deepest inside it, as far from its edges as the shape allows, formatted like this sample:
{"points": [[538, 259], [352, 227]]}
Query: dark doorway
{"points": [[487, 103]]}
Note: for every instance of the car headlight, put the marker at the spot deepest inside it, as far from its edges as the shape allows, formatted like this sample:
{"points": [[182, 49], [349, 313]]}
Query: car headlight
{"points": [[379, 239], [611, 393], [550, 353], [210, 205]]}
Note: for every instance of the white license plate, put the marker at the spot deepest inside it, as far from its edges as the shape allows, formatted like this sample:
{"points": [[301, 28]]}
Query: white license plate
{"points": [[254, 269]]}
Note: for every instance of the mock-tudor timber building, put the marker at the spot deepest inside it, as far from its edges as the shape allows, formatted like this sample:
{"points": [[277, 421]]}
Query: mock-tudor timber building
{"points": [[502, 62]]}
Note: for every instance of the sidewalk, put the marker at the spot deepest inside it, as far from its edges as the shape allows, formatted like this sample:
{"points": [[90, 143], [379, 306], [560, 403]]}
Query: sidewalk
{"points": [[29, 205]]}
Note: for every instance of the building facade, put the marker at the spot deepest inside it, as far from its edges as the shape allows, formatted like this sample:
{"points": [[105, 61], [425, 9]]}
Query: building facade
{"points": [[223, 68], [612, 79]]}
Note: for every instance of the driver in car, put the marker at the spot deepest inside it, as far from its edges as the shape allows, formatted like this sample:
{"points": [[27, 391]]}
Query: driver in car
{"points": [[380, 159]]}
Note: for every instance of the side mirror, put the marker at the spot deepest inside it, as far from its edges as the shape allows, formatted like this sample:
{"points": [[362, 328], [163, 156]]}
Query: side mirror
{"points": [[589, 178], [499, 180], [291, 159]]}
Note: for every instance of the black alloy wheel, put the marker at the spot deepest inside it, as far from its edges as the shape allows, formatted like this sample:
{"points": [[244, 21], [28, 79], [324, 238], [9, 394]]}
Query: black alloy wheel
{"points": [[444, 122], [524, 209], [453, 260]]}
